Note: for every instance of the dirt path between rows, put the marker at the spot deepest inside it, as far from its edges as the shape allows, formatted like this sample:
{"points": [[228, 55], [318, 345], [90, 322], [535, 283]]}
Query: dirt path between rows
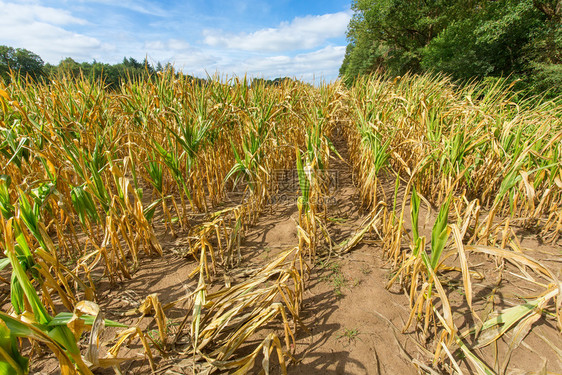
{"points": [[351, 315], [355, 323]]}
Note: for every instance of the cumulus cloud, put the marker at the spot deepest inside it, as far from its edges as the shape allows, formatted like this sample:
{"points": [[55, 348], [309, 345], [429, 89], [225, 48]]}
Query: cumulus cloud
{"points": [[40, 29], [170, 44], [193, 61], [319, 64], [301, 48], [180, 53], [18, 12], [138, 6], [300, 34], [190, 61]]}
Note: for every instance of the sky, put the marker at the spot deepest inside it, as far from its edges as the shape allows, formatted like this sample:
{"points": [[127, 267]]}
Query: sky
{"points": [[264, 39]]}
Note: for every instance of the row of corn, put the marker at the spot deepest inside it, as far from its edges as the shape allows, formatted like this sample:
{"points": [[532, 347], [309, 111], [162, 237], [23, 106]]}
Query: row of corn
{"points": [[91, 178], [487, 166]]}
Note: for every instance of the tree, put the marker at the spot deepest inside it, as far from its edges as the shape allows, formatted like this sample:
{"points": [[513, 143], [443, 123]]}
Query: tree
{"points": [[20, 61], [391, 34], [543, 55], [70, 67], [28, 64], [147, 66], [464, 39], [490, 42]]}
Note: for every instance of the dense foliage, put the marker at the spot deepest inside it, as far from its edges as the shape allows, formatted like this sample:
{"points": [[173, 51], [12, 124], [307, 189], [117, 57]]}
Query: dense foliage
{"points": [[26, 64], [112, 75], [465, 39], [19, 60]]}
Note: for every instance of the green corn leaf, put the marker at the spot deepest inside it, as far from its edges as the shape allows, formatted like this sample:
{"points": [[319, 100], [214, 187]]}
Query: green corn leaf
{"points": [[11, 361], [84, 204], [414, 213], [4, 263], [16, 295], [149, 210], [30, 215], [6, 207], [440, 234], [39, 310], [6, 367], [63, 318], [155, 172], [65, 338], [303, 181], [56, 339], [481, 367]]}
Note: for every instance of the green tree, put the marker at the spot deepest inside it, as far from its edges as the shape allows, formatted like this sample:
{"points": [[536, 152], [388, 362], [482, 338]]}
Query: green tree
{"points": [[20, 61], [488, 42], [70, 67], [111, 75], [391, 34], [465, 39], [543, 55]]}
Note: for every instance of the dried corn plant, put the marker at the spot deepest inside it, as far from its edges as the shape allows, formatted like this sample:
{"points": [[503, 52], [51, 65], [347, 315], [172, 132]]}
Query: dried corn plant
{"points": [[89, 174], [486, 164], [90, 178]]}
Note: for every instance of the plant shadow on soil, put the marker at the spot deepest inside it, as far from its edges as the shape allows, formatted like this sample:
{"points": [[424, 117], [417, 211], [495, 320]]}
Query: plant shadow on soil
{"points": [[355, 326]]}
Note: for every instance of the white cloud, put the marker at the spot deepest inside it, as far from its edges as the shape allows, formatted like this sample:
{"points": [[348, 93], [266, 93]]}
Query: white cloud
{"points": [[180, 53], [191, 61], [39, 29], [322, 63], [176, 44], [56, 32], [302, 33], [155, 45], [170, 44], [17, 13], [138, 6]]}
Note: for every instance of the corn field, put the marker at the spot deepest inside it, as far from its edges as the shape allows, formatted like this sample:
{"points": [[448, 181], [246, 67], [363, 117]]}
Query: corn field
{"points": [[91, 180]]}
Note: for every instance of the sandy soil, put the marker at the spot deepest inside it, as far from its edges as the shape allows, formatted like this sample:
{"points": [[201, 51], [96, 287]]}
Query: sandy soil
{"points": [[355, 322]]}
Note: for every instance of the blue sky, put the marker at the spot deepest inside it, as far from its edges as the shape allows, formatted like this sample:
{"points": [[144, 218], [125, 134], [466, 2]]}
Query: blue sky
{"points": [[302, 39]]}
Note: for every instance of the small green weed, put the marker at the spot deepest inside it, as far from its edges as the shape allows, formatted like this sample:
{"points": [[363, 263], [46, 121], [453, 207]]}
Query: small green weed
{"points": [[348, 333]]}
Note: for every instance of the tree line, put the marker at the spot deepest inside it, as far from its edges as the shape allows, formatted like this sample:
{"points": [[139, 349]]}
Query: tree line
{"points": [[19, 62], [466, 39]]}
